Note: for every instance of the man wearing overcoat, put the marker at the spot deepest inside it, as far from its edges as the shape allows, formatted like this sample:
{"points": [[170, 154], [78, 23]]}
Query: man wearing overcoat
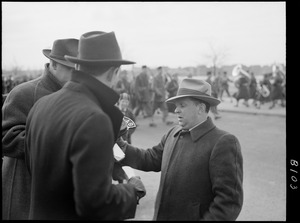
{"points": [[201, 165], [15, 177], [70, 139]]}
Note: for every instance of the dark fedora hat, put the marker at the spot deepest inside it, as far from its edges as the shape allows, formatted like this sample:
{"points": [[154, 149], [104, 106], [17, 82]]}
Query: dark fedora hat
{"points": [[98, 48], [60, 48], [198, 89]]}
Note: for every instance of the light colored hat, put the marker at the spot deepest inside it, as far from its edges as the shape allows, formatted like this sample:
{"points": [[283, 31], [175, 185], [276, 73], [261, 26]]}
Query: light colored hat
{"points": [[98, 48], [198, 89], [60, 48]]}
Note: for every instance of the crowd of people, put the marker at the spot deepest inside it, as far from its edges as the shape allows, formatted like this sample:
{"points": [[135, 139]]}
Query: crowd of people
{"points": [[270, 89], [60, 129], [147, 92], [9, 82]]}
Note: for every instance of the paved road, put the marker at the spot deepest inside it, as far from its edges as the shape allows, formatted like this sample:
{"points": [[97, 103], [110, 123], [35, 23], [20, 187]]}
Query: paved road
{"points": [[263, 141], [228, 106]]}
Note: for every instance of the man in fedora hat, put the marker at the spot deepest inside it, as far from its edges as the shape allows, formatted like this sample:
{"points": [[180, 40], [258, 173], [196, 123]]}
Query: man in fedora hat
{"points": [[201, 165], [15, 177], [77, 127]]}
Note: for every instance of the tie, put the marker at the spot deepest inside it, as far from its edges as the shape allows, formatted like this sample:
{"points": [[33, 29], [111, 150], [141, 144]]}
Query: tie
{"points": [[184, 132]]}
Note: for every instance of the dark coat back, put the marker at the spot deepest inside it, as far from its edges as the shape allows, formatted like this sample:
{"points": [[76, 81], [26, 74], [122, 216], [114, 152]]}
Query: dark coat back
{"points": [[15, 177], [70, 136]]}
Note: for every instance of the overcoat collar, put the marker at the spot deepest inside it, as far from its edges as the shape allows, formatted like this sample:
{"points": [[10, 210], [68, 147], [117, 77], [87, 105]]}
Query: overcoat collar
{"points": [[103, 95], [200, 130], [49, 80]]}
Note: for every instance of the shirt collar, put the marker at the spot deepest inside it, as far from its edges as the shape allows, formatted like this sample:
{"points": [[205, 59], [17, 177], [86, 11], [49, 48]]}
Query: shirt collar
{"points": [[196, 125]]}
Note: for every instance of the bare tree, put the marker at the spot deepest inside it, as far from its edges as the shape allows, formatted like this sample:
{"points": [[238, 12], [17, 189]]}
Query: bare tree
{"points": [[216, 56], [16, 69]]}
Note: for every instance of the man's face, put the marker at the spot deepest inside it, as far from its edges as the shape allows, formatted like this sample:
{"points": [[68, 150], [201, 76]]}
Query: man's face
{"points": [[187, 112]]}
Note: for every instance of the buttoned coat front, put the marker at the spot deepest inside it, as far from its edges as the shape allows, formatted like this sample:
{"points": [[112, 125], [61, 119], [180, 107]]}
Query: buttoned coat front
{"points": [[201, 173], [15, 177]]}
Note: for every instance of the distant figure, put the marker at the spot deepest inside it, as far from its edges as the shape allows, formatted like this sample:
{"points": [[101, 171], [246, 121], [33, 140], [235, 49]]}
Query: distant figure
{"points": [[242, 84], [214, 93], [172, 88], [159, 90], [224, 86], [143, 94], [266, 87], [132, 92], [253, 90], [277, 89], [124, 106], [7, 84], [122, 85]]}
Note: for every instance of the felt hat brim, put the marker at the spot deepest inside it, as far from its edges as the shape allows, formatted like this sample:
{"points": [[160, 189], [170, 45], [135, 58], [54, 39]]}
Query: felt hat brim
{"points": [[97, 62], [47, 52], [209, 99]]}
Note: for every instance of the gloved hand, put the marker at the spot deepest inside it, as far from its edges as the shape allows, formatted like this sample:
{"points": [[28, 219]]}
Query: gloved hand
{"points": [[139, 187], [121, 143], [118, 173]]}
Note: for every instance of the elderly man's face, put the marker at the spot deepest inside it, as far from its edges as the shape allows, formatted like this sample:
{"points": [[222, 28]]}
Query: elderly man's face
{"points": [[188, 113]]}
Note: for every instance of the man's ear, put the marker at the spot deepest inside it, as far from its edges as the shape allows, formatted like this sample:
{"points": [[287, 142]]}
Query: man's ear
{"points": [[111, 73], [54, 65], [201, 107]]}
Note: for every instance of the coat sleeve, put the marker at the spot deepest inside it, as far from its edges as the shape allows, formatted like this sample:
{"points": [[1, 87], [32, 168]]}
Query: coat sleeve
{"points": [[226, 172], [14, 113], [92, 161], [145, 159]]}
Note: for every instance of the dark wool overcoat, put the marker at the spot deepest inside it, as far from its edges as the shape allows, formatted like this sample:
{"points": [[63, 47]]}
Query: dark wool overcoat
{"points": [[69, 152], [242, 83], [277, 88], [159, 88], [253, 88], [201, 173], [142, 87], [15, 177]]}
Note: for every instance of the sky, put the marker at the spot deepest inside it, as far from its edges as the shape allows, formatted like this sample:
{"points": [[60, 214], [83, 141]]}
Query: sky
{"points": [[173, 34]]}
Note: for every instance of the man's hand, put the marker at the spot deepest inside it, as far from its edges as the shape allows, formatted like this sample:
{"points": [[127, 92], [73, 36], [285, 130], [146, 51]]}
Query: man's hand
{"points": [[121, 143], [139, 187], [118, 173]]}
